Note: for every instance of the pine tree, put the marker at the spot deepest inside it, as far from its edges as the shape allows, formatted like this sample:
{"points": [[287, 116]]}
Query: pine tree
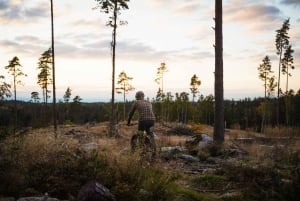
{"points": [[35, 97], [281, 43], [264, 74], [160, 77], [66, 98], [53, 73], [194, 86], [4, 89], [287, 64], [124, 88], [67, 95], [113, 7], [44, 76], [15, 69]]}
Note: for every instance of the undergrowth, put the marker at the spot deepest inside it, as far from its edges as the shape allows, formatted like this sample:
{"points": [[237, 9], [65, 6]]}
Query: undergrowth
{"points": [[37, 163]]}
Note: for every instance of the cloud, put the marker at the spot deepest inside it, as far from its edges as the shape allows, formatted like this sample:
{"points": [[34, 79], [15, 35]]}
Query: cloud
{"points": [[188, 8], [22, 45], [3, 4], [256, 17], [159, 3], [291, 2], [19, 12], [132, 50]]}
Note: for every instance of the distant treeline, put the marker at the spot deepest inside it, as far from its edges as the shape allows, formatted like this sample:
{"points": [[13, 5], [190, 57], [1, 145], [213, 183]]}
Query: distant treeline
{"points": [[242, 114]]}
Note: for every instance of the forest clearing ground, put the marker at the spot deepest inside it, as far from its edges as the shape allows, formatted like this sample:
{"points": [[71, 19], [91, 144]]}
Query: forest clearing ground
{"points": [[77, 135], [217, 174]]}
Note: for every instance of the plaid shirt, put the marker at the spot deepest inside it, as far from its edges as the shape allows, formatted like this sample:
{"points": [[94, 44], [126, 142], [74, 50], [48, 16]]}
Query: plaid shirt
{"points": [[144, 109]]}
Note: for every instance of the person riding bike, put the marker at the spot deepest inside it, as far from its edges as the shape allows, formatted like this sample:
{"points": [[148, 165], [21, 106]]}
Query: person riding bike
{"points": [[146, 118]]}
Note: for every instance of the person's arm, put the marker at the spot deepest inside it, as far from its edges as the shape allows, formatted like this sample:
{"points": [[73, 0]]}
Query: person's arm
{"points": [[131, 113]]}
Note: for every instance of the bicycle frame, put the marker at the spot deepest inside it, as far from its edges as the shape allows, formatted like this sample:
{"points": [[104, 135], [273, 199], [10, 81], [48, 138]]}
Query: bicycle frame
{"points": [[141, 141]]}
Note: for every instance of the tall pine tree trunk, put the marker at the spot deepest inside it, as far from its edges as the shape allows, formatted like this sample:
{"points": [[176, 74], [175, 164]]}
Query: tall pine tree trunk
{"points": [[278, 91], [287, 97], [264, 107], [112, 129], [15, 104], [124, 99], [219, 91], [53, 73]]}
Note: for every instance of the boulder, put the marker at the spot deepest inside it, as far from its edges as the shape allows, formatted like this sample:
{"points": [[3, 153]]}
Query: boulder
{"points": [[42, 198], [205, 141], [94, 191], [90, 146]]}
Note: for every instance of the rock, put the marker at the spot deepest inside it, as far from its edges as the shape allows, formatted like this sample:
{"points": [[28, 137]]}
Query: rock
{"points": [[42, 198], [7, 199], [188, 158], [194, 140], [205, 141], [94, 191], [169, 153], [234, 152], [214, 160], [175, 149], [231, 195], [90, 146]]}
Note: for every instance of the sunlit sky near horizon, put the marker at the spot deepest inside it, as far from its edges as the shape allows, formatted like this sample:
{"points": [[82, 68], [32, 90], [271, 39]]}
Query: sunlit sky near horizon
{"points": [[177, 32]]}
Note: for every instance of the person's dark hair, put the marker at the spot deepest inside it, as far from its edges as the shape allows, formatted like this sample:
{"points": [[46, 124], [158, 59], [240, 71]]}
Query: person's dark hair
{"points": [[139, 95]]}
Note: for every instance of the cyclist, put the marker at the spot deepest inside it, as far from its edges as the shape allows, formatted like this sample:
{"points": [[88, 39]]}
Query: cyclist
{"points": [[146, 118]]}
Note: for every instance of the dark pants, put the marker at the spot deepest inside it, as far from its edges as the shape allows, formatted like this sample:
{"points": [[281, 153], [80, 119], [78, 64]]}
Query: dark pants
{"points": [[145, 125]]}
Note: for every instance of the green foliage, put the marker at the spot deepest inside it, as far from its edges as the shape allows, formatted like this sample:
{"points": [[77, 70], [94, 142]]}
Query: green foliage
{"points": [[67, 95], [161, 70], [4, 89], [14, 68], [44, 76], [58, 172], [265, 71], [124, 88], [181, 193], [136, 182], [28, 169], [182, 130], [195, 84], [241, 114], [265, 182], [209, 181]]}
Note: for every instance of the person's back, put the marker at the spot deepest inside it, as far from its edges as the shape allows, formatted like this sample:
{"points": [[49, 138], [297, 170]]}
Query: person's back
{"points": [[144, 109]]}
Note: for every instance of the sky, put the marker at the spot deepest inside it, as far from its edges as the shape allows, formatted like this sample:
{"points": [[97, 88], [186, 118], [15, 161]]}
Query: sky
{"points": [[177, 32]]}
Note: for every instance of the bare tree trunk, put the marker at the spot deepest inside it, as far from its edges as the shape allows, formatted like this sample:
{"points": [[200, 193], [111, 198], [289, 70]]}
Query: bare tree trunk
{"points": [[15, 103], [112, 112], [278, 90], [219, 91], [287, 98], [124, 107], [53, 73], [264, 108]]}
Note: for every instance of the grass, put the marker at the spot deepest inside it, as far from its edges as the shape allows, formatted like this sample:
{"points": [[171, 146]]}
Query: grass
{"points": [[282, 132], [37, 163]]}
